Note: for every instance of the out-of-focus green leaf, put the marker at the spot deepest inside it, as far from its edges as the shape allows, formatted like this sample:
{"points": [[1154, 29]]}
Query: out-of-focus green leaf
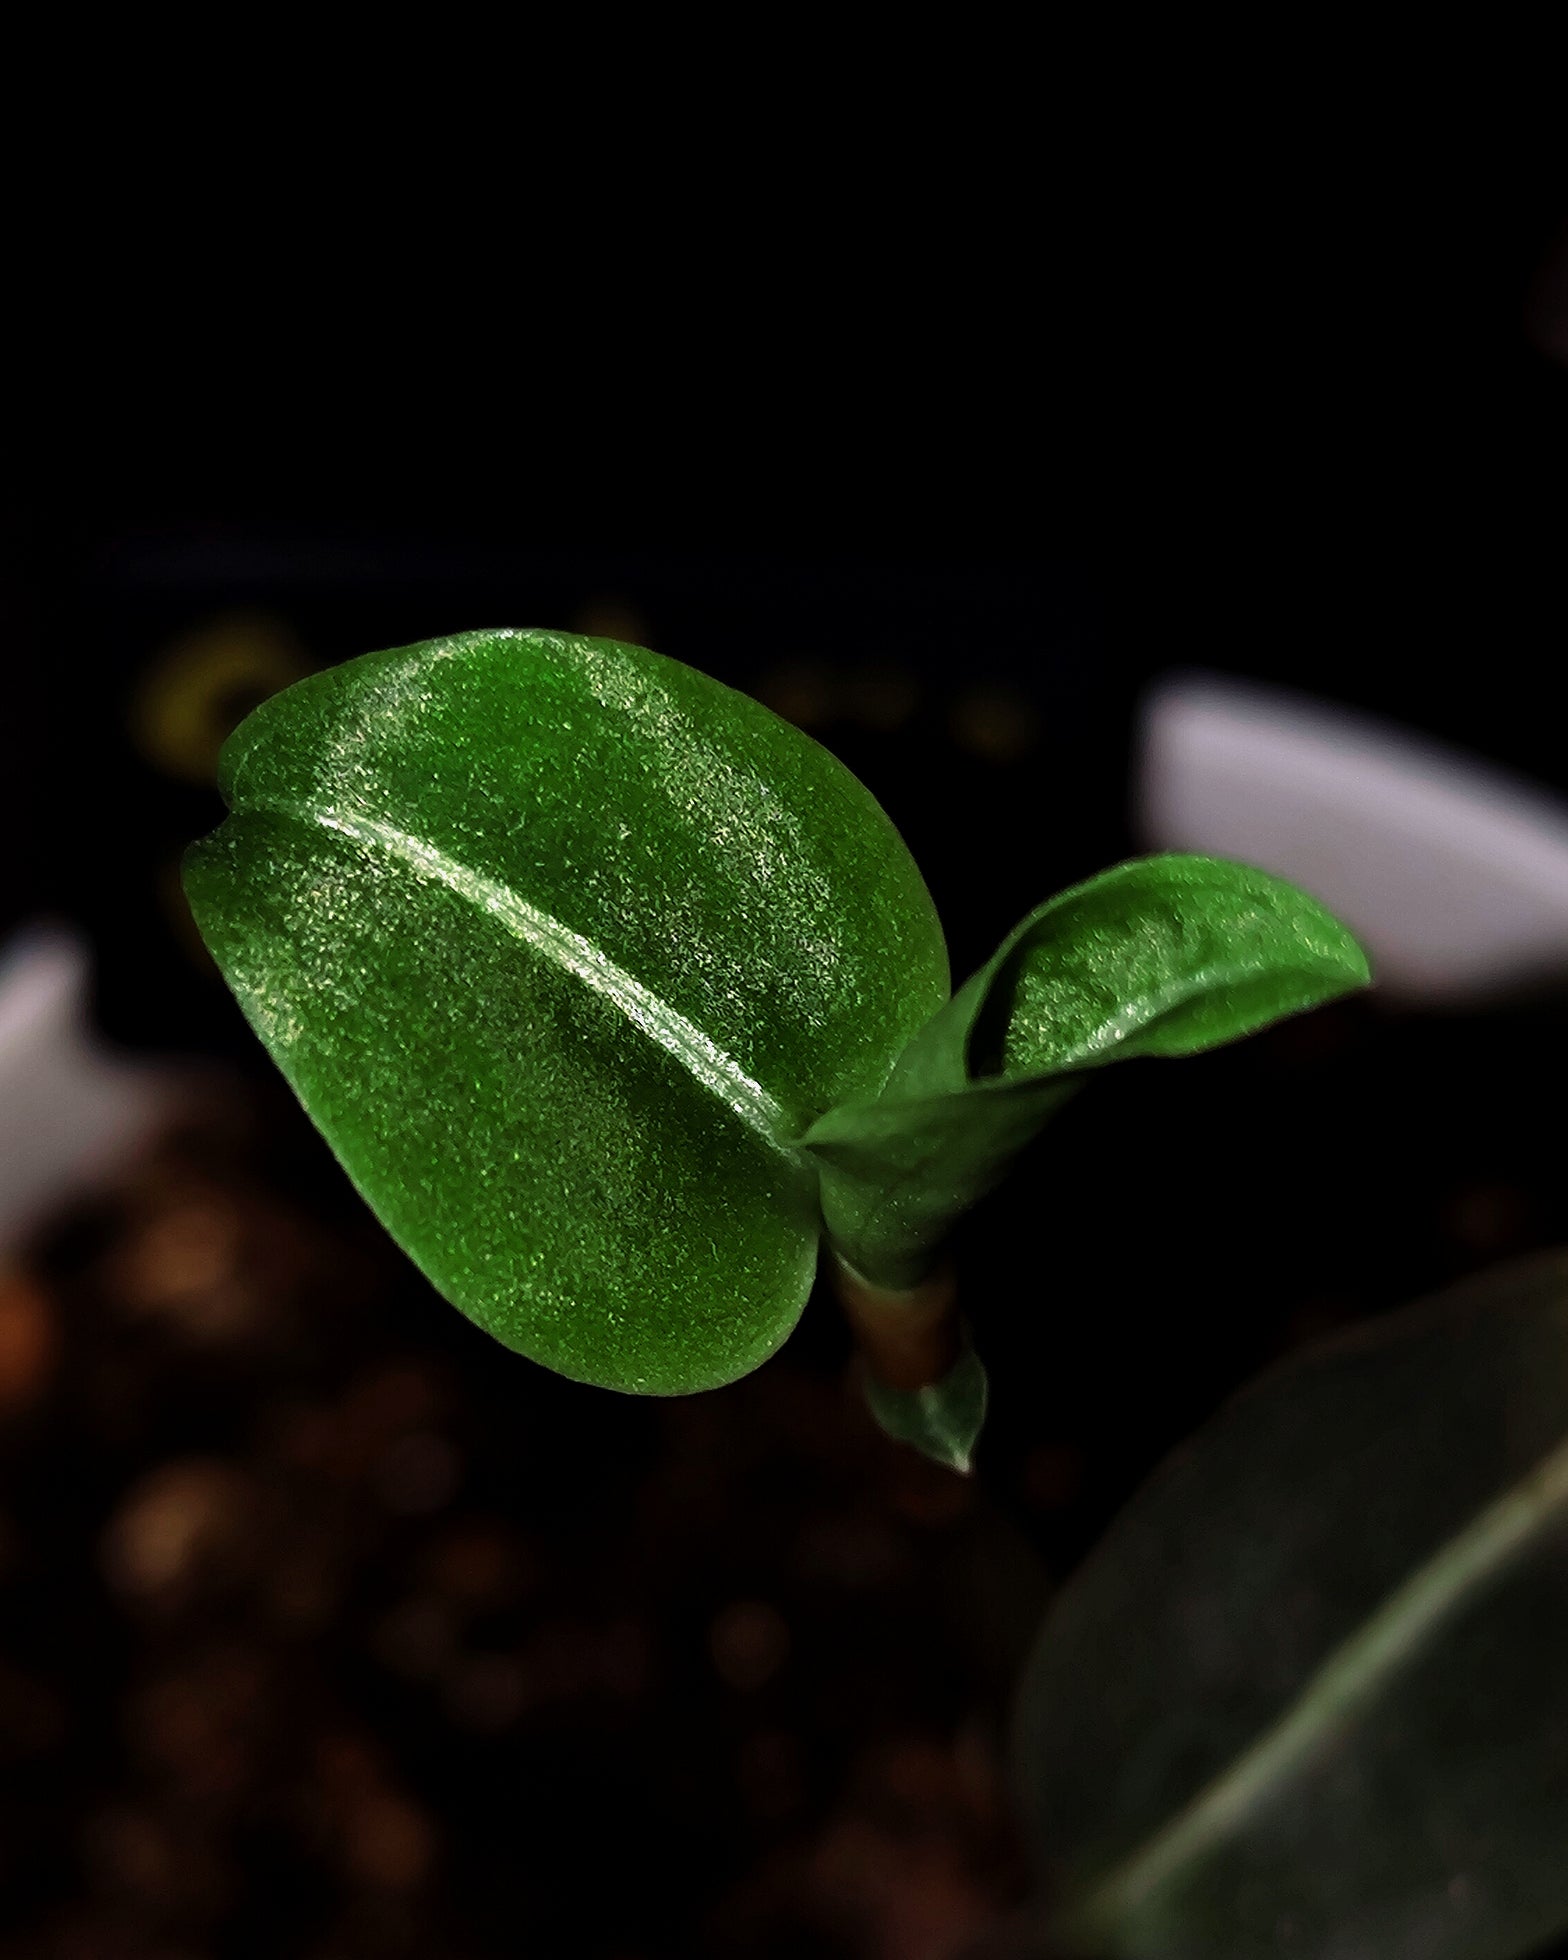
{"points": [[943, 1421], [563, 945], [1162, 956], [1310, 1695]]}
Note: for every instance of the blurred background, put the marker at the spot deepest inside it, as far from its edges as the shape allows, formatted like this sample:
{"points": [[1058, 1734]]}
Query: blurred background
{"points": [[328, 1629]]}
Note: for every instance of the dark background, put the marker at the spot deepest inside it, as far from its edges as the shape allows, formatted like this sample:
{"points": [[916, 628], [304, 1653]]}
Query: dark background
{"points": [[459, 1657]]}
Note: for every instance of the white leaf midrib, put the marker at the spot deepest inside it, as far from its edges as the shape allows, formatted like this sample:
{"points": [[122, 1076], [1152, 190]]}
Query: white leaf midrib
{"points": [[698, 1053], [1407, 1621]]}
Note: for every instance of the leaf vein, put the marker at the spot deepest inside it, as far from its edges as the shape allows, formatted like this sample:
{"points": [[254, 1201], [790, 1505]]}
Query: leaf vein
{"points": [[710, 1065], [1405, 1624]]}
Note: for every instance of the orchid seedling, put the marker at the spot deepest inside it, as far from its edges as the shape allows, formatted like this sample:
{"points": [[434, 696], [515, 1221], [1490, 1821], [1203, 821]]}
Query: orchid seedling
{"points": [[621, 1000]]}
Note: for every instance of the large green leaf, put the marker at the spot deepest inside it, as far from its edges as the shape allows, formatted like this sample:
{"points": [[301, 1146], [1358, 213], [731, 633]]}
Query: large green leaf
{"points": [[1310, 1695], [1162, 956], [563, 945]]}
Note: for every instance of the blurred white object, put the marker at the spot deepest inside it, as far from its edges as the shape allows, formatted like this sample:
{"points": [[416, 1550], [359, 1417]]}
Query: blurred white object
{"points": [[1453, 874], [69, 1110]]}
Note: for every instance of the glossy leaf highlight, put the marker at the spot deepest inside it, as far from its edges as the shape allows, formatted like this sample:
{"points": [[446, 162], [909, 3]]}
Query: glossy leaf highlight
{"points": [[1309, 1695], [563, 945], [1162, 956]]}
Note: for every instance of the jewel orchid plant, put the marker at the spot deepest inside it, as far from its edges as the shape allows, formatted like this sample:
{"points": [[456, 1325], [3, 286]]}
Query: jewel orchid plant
{"points": [[620, 1000]]}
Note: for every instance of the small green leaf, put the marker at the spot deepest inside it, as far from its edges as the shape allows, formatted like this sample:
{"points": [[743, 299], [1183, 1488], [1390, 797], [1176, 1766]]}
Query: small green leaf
{"points": [[1162, 956], [563, 945], [944, 1421], [1309, 1694]]}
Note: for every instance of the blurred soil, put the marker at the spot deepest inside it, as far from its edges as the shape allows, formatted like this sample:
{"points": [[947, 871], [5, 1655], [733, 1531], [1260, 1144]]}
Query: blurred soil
{"points": [[329, 1628]]}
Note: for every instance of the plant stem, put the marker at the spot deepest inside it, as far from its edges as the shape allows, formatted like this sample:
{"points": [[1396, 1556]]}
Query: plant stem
{"points": [[910, 1340]]}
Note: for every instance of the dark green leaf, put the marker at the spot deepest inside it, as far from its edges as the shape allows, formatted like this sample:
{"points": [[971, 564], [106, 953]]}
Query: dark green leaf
{"points": [[1163, 956], [1310, 1695], [563, 945]]}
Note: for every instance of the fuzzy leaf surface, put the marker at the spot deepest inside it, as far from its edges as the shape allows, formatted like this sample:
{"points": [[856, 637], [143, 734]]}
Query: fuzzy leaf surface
{"points": [[563, 945]]}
